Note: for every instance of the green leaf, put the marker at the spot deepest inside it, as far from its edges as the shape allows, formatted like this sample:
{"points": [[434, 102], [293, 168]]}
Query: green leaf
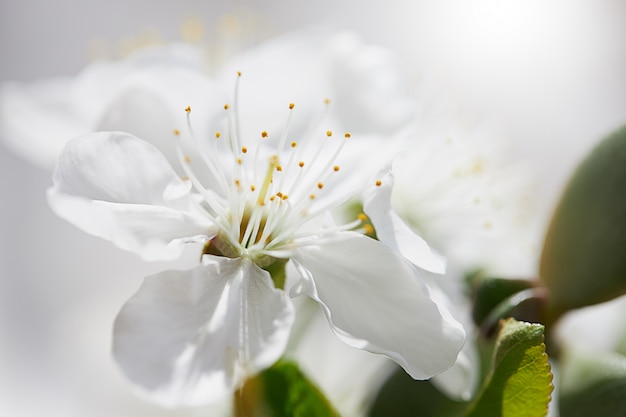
{"points": [[281, 391], [520, 382], [402, 396], [592, 385], [583, 260]]}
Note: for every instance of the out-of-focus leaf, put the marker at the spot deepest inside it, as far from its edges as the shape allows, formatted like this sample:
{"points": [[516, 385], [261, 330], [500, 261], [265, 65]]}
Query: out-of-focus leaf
{"points": [[402, 396], [592, 385], [499, 298], [520, 382], [281, 391], [583, 259]]}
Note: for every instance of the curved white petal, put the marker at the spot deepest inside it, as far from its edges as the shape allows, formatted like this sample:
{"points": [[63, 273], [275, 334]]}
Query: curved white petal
{"points": [[120, 188], [393, 232], [374, 301], [192, 337], [461, 380]]}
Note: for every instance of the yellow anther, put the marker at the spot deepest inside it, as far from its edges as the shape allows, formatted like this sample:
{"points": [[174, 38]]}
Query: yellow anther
{"points": [[237, 182], [217, 135], [187, 159], [188, 109], [291, 106], [301, 164], [336, 168], [320, 185], [312, 197], [184, 178], [244, 149], [264, 134], [238, 73], [279, 194], [347, 135], [272, 198], [176, 132], [226, 107], [285, 196], [362, 217], [239, 161], [368, 229], [279, 168], [294, 144], [326, 101], [252, 188], [329, 133], [379, 183]]}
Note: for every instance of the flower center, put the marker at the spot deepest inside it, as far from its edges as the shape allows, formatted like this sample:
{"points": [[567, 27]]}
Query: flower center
{"points": [[264, 193]]}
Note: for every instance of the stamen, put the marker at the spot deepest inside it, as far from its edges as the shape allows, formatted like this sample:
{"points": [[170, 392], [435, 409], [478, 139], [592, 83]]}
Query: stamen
{"points": [[217, 135], [267, 181], [379, 183], [211, 163], [176, 132]]}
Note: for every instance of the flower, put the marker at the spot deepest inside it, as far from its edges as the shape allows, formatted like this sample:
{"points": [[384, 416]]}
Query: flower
{"points": [[258, 202]]}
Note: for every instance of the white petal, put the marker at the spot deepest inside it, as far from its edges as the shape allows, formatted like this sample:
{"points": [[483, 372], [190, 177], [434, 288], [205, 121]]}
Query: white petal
{"points": [[37, 119], [369, 86], [120, 188], [192, 337], [461, 380], [150, 104], [374, 301], [393, 232]]}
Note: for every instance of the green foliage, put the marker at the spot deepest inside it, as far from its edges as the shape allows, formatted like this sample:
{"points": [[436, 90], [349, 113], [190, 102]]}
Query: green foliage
{"points": [[592, 385], [520, 382], [583, 260], [402, 396], [281, 391], [499, 298], [492, 291]]}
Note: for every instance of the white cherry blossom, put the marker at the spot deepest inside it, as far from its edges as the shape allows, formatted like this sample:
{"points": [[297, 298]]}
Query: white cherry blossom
{"points": [[258, 201]]}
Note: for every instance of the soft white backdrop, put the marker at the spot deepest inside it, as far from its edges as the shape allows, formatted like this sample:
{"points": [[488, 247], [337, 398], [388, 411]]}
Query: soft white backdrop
{"points": [[550, 73]]}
